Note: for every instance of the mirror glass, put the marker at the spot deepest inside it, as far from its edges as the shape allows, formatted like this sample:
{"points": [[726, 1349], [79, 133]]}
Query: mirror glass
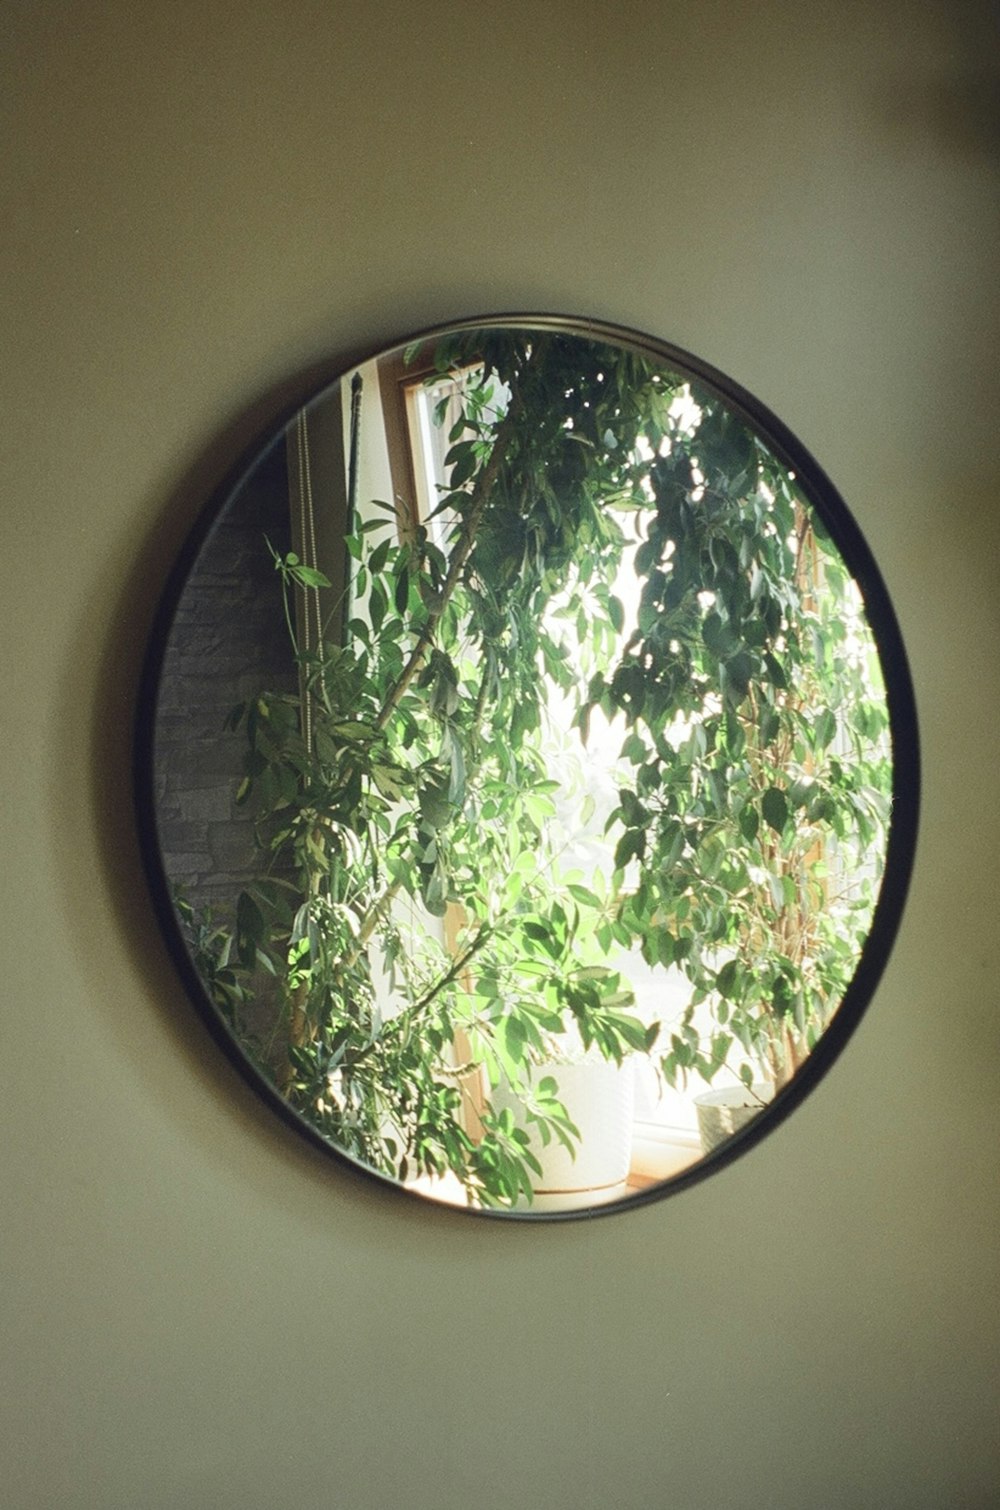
{"points": [[528, 768]]}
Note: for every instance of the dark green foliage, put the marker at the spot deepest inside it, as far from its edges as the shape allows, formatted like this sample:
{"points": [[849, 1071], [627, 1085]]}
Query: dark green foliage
{"points": [[440, 773]]}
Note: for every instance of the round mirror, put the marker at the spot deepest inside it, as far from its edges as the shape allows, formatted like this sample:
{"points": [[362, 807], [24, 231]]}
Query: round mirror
{"points": [[528, 768]]}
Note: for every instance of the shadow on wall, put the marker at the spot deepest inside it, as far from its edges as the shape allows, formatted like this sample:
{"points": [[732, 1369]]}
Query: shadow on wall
{"points": [[961, 114]]}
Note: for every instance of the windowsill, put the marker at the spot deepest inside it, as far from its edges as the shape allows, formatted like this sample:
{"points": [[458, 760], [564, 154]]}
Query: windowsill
{"points": [[659, 1153]]}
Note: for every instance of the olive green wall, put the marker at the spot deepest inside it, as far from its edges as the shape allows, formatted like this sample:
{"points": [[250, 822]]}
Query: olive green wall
{"points": [[208, 200]]}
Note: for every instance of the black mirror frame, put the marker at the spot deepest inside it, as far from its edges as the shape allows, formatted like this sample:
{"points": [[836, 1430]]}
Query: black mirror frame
{"points": [[903, 826]]}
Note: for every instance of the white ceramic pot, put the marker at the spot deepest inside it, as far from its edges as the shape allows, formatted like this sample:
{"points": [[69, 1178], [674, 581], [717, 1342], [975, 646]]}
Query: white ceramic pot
{"points": [[598, 1096]]}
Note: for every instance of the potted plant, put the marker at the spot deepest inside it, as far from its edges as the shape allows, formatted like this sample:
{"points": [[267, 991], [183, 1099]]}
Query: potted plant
{"points": [[595, 1094], [422, 915]]}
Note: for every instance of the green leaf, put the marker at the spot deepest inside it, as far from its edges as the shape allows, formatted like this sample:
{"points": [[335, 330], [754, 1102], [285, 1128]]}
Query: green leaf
{"points": [[388, 781], [664, 941], [634, 749], [249, 918], [250, 929], [769, 724], [738, 671], [465, 463], [514, 1037], [583, 894], [824, 728], [775, 671], [456, 781], [727, 979], [435, 894], [774, 807], [353, 729], [749, 822], [632, 844]]}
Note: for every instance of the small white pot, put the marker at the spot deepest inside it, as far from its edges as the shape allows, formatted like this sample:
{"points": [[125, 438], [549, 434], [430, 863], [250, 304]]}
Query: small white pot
{"points": [[722, 1113]]}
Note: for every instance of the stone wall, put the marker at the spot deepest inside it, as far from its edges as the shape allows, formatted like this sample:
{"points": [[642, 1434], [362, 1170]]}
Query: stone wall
{"points": [[228, 642]]}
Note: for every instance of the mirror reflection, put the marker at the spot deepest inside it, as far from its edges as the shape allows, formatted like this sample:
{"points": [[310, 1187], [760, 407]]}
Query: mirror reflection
{"points": [[522, 770]]}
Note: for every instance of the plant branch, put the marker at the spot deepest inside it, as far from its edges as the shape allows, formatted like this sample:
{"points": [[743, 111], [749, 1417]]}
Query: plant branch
{"points": [[369, 923], [451, 974], [406, 1017]]}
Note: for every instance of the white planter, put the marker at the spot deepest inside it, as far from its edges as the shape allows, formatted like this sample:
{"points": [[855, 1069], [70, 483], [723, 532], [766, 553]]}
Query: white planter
{"points": [[598, 1096], [722, 1113]]}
